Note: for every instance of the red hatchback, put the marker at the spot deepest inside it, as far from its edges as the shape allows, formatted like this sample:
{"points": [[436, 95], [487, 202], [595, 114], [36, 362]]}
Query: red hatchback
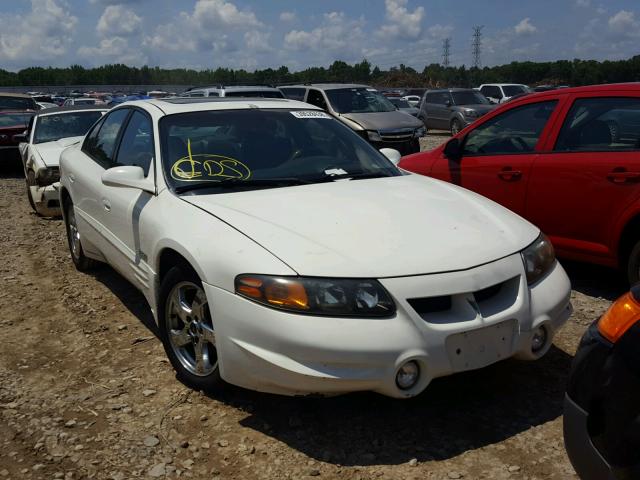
{"points": [[567, 160]]}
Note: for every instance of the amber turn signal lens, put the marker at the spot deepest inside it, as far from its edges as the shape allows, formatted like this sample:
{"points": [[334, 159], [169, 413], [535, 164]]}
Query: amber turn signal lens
{"points": [[287, 293], [251, 287], [620, 317]]}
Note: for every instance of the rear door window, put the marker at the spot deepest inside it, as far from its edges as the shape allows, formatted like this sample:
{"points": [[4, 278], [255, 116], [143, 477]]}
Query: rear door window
{"points": [[601, 124], [515, 131]]}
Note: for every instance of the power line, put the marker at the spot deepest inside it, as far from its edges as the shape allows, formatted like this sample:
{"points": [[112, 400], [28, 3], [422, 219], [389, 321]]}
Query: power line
{"points": [[477, 45], [446, 46]]}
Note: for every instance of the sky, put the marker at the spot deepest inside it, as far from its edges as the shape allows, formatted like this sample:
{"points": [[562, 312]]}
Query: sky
{"points": [[255, 34]]}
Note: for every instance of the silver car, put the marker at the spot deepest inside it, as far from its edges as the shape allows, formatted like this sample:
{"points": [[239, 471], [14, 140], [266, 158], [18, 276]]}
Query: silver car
{"points": [[364, 110]]}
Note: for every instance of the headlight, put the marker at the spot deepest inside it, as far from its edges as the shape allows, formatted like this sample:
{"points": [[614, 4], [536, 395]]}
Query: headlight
{"points": [[318, 296], [47, 176], [421, 132], [374, 136], [470, 113], [538, 258]]}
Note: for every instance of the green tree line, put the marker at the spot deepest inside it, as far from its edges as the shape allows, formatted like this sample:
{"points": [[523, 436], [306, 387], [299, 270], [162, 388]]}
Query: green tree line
{"points": [[566, 72]]}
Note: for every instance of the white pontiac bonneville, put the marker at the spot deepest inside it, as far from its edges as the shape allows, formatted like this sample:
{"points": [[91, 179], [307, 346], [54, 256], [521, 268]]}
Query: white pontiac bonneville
{"points": [[279, 251]]}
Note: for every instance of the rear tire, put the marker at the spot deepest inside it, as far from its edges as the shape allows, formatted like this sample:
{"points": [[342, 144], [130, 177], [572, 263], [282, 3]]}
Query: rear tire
{"points": [[187, 330], [633, 265], [82, 262]]}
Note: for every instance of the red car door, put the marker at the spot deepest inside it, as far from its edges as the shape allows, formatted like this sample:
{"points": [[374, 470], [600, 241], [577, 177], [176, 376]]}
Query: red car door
{"points": [[497, 154], [588, 174]]}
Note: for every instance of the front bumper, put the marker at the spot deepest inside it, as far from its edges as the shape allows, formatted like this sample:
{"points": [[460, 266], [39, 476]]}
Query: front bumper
{"points": [[602, 408], [273, 351], [47, 199]]}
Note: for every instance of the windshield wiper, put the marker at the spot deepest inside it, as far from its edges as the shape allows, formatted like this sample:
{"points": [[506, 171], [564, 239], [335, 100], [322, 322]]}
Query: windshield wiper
{"points": [[237, 182], [351, 176]]}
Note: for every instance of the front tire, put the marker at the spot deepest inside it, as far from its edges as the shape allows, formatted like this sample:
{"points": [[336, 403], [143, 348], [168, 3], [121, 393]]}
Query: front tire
{"points": [[456, 126], [31, 181], [187, 330], [82, 262]]}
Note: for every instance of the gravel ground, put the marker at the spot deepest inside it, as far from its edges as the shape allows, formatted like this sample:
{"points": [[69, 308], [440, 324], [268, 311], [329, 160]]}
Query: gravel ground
{"points": [[86, 391]]}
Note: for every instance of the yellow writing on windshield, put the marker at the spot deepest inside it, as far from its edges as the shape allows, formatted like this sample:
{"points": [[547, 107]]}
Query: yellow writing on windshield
{"points": [[208, 166]]}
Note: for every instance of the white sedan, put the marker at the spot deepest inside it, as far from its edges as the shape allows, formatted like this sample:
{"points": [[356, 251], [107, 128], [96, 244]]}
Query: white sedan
{"points": [[281, 252], [49, 133]]}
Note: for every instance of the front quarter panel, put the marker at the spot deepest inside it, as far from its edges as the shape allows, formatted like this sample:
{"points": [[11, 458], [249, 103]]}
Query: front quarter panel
{"points": [[216, 250]]}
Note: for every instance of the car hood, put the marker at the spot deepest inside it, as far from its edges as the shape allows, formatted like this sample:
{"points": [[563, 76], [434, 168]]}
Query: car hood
{"points": [[50, 151], [411, 111], [384, 227], [480, 108], [383, 120]]}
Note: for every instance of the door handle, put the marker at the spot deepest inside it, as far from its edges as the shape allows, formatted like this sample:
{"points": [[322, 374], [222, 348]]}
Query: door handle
{"points": [[620, 175], [106, 204], [509, 175]]}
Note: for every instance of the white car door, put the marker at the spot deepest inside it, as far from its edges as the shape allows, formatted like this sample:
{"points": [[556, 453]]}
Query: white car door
{"points": [[84, 170], [123, 206]]}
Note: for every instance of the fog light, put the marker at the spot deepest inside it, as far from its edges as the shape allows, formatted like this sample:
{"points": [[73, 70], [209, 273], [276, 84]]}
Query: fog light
{"points": [[539, 339], [407, 375]]}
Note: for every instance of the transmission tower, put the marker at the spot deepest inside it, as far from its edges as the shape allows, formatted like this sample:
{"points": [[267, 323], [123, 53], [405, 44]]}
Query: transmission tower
{"points": [[446, 46], [477, 45]]}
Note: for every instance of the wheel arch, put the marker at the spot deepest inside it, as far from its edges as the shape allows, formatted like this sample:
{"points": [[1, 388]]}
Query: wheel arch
{"points": [[629, 236]]}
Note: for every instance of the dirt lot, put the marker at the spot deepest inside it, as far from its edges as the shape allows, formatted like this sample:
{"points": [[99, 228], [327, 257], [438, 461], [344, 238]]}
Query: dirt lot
{"points": [[86, 391]]}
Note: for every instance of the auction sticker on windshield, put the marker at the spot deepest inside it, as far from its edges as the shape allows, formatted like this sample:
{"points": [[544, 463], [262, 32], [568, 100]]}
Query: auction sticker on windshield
{"points": [[309, 114]]}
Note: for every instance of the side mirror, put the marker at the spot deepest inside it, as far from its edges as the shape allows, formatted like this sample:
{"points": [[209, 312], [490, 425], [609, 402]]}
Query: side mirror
{"points": [[453, 150], [392, 154], [447, 103], [128, 176], [19, 137]]}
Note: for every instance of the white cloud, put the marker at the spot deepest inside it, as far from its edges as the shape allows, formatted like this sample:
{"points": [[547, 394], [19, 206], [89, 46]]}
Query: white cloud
{"points": [[624, 23], [525, 27], [257, 41], [118, 20], [287, 16], [42, 34], [114, 50], [218, 13], [402, 22], [336, 35], [440, 31]]}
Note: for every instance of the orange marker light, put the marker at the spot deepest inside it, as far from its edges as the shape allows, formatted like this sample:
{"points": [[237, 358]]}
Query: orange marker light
{"points": [[288, 293], [250, 287], [620, 317]]}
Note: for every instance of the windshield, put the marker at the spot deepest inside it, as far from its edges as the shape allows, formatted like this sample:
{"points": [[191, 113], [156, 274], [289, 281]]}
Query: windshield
{"points": [[511, 90], [85, 101], [399, 102], [255, 94], [469, 98], [15, 119], [244, 146], [54, 127], [358, 100], [17, 103]]}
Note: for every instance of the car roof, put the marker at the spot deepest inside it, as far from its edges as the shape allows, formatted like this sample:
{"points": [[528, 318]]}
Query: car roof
{"points": [[455, 89], [13, 112], [604, 89], [236, 88], [17, 95], [71, 108], [502, 85], [328, 86], [170, 106]]}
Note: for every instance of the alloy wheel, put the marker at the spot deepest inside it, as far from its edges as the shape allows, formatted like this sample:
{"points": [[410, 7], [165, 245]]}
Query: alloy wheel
{"points": [[190, 329]]}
